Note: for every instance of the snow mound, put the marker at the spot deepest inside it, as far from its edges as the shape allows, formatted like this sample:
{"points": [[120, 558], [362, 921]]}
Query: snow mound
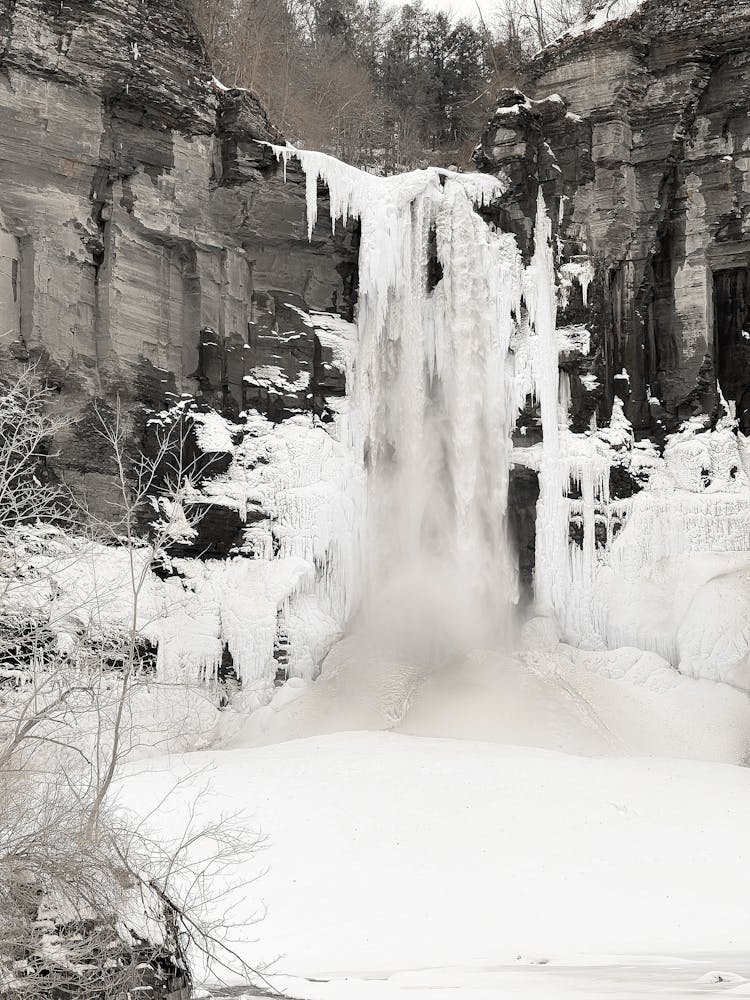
{"points": [[550, 695], [213, 432], [665, 594]]}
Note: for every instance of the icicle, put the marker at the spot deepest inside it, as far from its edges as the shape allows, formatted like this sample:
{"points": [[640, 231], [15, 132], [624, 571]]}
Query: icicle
{"points": [[552, 560], [580, 270], [281, 153], [563, 397]]}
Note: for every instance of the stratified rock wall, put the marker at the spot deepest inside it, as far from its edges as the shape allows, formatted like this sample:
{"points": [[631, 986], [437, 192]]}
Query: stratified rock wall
{"points": [[146, 233], [640, 139]]}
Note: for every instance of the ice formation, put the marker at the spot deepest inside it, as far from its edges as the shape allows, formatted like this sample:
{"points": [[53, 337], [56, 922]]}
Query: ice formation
{"points": [[399, 505], [394, 515], [624, 580], [431, 406], [581, 271]]}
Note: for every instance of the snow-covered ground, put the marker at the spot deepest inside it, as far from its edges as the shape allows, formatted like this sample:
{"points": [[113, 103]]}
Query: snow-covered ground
{"points": [[665, 977], [514, 826], [446, 864]]}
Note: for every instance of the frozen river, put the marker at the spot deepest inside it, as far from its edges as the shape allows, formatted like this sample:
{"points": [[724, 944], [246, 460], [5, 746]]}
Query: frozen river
{"points": [[677, 977]]}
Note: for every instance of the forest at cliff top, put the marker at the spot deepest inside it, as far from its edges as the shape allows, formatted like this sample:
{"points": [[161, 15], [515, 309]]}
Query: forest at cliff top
{"points": [[377, 84]]}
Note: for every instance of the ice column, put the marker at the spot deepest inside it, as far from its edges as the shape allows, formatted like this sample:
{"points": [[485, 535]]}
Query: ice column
{"points": [[552, 561]]}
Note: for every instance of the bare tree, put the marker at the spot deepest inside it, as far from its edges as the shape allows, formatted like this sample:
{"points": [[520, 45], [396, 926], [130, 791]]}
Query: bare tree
{"points": [[26, 433], [524, 26], [82, 886]]}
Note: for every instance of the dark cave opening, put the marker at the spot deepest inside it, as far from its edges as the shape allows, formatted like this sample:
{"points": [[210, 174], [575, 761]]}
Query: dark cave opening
{"points": [[732, 338]]}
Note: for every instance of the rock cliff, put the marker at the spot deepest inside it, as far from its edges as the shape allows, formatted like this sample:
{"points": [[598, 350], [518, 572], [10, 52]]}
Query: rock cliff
{"points": [[636, 128], [152, 248], [149, 245]]}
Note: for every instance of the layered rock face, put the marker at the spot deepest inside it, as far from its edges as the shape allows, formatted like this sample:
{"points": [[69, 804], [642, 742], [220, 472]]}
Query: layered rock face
{"points": [[637, 132], [149, 245], [152, 248]]}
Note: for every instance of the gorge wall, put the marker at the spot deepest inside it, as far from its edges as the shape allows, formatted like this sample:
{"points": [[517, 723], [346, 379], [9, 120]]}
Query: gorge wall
{"points": [[149, 245], [636, 127]]}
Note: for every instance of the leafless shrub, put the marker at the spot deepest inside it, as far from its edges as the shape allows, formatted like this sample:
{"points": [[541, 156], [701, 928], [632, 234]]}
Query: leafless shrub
{"points": [[91, 900]]}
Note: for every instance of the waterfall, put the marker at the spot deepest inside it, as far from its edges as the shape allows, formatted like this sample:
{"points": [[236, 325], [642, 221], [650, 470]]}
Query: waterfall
{"points": [[432, 391], [433, 403]]}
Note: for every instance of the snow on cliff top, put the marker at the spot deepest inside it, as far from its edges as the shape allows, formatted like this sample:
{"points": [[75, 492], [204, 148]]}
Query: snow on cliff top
{"points": [[602, 14]]}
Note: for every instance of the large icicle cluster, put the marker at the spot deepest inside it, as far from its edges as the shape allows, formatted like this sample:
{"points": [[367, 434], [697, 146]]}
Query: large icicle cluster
{"points": [[625, 579], [306, 484], [564, 572]]}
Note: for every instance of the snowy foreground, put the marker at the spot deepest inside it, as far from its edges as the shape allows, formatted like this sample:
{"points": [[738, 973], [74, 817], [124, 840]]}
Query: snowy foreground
{"points": [[550, 822], [405, 865]]}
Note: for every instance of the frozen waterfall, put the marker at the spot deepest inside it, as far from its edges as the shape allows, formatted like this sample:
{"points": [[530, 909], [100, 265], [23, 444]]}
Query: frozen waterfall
{"points": [[434, 403]]}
